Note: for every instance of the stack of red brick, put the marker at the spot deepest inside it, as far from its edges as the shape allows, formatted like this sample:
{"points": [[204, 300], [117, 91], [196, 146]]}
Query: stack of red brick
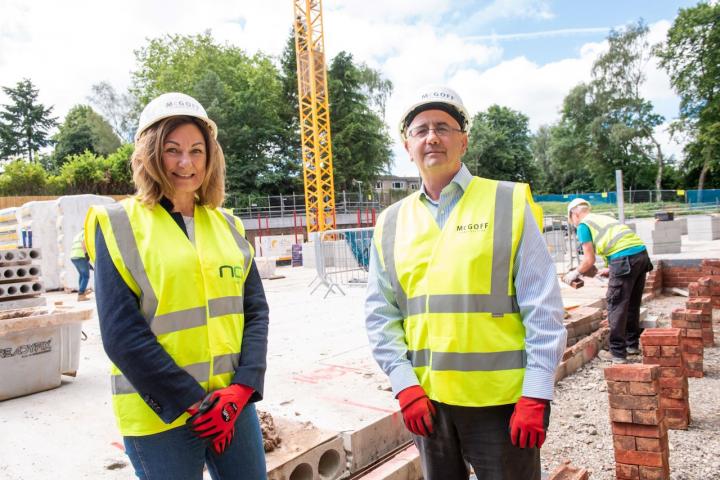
{"points": [[639, 430], [663, 347], [691, 324], [654, 280]]}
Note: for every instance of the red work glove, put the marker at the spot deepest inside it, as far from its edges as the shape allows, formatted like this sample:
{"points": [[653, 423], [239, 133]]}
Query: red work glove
{"points": [[529, 422], [216, 415], [417, 410]]}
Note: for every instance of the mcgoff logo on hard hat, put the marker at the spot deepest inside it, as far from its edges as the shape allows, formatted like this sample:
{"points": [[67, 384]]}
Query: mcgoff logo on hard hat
{"points": [[179, 103], [443, 95]]}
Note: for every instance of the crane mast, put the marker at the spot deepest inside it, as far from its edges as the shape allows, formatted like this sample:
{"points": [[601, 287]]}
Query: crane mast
{"points": [[314, 116]]}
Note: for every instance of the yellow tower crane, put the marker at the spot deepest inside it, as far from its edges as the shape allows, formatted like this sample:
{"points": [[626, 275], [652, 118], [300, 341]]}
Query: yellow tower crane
{"points": [[314, 116]]}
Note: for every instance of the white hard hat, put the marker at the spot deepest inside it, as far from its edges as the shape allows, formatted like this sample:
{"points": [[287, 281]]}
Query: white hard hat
{"points": [[439, 97], [170, 105], [574, 203]]}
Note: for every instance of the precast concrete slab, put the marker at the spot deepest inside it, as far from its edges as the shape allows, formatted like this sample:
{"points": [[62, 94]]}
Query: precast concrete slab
{"points": [[404, 465], [306, 453]]}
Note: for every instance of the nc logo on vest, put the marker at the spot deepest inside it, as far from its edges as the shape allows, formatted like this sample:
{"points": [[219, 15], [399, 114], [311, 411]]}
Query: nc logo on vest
{"points": [[472, 227], [233, 271]]}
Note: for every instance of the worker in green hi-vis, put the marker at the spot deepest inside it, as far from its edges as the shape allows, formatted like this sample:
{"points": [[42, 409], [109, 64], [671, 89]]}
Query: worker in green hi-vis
{"points": [[79, 258]]}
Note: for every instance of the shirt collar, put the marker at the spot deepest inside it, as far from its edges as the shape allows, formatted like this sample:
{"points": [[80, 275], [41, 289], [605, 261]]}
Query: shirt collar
{"points": [[462, 179]]}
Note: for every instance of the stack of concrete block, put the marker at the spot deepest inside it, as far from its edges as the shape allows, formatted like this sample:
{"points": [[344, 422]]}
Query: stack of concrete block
{"points": [[41, 218], [660, 237], [663, 347], [9, 229], [690, 322], [640, 437], [19, 277], [703, 227], [71, 212]]}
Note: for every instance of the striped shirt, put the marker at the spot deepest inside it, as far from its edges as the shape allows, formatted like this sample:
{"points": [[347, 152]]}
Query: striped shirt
{"points": [[537, 294]]}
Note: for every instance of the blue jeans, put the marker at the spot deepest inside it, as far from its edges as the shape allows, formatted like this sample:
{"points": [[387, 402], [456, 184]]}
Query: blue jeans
{"points": [[179, 454], [83, 267]]}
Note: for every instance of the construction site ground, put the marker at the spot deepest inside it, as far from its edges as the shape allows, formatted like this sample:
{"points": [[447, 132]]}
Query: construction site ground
{"points": [[321, 382]]}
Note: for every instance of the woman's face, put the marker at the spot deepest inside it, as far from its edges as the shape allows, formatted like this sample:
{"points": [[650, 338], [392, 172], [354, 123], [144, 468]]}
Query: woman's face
{"points": [[184, 158]]}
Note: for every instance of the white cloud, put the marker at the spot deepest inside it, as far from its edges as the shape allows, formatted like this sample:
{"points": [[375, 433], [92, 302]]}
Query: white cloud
{"points": [[65, 47]]}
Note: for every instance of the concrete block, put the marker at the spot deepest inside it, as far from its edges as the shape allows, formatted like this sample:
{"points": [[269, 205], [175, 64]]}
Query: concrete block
{"points": [[19, 273], [15, 303], [703, 227], [404, 465], [20, 289], [20, 256], [306, 453], [372, 441], [41, 217]]}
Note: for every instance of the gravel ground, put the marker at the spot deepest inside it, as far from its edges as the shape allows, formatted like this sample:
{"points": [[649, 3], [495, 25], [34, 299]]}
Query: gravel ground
{"points": [[580, 423]]}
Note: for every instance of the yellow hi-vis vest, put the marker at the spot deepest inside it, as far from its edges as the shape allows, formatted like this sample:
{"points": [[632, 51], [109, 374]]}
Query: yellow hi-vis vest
{"points": [[190, 295], [465, 336], [76, 250], [610, 236]]}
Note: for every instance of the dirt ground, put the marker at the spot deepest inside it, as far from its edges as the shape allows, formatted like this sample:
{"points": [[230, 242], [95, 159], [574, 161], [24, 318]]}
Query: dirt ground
{"points": [[580, 423]]}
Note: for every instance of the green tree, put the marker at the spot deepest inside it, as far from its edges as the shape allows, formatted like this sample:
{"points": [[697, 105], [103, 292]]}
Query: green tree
{"points": [[691, 56], [119, 109], [23, 178], [84, 129], [83, 173], [118, 174], [360, 141], [24, 123], [606, 125], [243, 95], [499, 146], [628, 119]]}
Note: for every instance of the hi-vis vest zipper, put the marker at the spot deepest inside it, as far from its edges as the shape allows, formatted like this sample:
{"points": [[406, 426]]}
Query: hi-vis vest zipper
{"points": [[610, 236], [190, 295], [465, 336]]}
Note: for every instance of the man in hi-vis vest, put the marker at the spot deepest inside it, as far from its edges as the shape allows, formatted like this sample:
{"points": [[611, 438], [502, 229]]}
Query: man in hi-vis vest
{"points": [[628, 261], [463, 308]]}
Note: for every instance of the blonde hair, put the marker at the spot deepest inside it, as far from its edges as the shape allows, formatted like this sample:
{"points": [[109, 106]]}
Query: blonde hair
{"points": [[151, 181]]}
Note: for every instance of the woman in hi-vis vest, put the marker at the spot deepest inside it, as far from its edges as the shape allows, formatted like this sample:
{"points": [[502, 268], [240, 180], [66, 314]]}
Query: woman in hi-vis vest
{"points": [[182, 310]]}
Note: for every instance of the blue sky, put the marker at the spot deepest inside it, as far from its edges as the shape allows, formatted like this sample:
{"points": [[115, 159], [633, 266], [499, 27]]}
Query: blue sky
{"points": [[66, 47]]}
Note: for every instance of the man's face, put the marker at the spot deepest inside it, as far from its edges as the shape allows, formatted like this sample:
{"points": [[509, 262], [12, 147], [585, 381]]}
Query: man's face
{"points": [[436, 155]]}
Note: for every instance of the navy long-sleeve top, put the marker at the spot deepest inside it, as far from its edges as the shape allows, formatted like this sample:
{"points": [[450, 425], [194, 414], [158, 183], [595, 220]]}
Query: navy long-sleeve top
{"points": [[133, 348]]}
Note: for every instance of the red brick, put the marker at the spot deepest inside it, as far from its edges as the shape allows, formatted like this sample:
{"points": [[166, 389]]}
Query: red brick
{"points": [[674, 393], [568, 472], [660, 336], [632, 402], [694, 333], [645, 431], [674, 382], [672, 403], [618, 388], [683, 324], [648, 417], [631, 373], [663, 361], [710, 262], [650, 350], [655, 473], [621, 415], [626, 442], [627, 472], [678, 314], [650, 459], [694, 357], [643, 388], [651, 444], [670, 350], [672, 372]]}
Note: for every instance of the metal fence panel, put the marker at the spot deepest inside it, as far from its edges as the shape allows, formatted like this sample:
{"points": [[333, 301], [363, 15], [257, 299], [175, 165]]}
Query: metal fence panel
{"points": [[342, 258]]}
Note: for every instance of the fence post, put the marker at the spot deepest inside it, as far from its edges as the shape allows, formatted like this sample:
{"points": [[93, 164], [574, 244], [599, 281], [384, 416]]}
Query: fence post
{"points": [[620, 197]]}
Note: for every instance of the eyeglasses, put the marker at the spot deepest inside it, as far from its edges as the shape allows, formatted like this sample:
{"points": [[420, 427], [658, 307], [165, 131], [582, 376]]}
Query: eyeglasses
{"points": [[423, 131]]}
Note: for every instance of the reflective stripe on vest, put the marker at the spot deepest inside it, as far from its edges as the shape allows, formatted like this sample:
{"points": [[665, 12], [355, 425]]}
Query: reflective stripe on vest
{"points": [[199, 371], [602, 226], [498, 302]]}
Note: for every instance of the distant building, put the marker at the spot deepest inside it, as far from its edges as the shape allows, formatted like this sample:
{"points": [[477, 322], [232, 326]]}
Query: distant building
{"points": [[391, 188]]}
